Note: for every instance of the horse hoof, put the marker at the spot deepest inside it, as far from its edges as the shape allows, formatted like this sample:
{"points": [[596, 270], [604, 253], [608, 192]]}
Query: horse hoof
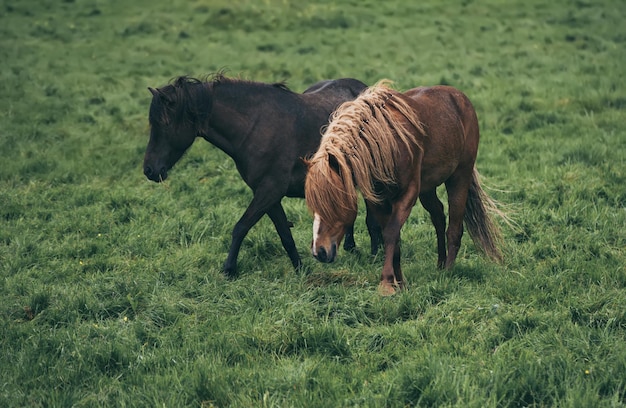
{"points": [[303, 270], [349, 247], [390, 289], [230, 274], [386, 289]]}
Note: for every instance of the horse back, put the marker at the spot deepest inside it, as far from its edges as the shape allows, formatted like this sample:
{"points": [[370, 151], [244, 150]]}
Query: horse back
{"points": [[443, 99], [343, 89], [317, 102], [326, 96], [445, 109]]}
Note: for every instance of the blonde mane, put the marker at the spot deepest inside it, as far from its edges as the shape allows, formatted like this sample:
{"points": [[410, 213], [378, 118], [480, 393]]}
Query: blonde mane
{"points": [[362, 141]]}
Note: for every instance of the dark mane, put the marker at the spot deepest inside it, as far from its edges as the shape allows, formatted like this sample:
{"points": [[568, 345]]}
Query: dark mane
{"points": [[184, 100], [189, 100], [220, 78], [281, 85]]}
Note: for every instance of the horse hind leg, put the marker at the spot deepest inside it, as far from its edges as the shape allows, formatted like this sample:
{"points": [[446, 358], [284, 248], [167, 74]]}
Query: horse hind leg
{"points": [[374, 230], [279, 218], [457, 187], [434, 206]]}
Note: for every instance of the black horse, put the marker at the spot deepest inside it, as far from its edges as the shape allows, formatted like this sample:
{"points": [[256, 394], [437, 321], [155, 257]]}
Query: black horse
{"points": [[267, 130]]}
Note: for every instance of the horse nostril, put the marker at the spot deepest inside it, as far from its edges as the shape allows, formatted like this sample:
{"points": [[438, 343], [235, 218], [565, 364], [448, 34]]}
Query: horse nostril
{"points": [[321, 255], [147, 171]]}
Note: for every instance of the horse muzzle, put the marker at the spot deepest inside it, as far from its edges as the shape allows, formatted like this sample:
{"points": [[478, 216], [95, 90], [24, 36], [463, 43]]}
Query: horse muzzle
{"points": [[326, 256], [157, 176]]}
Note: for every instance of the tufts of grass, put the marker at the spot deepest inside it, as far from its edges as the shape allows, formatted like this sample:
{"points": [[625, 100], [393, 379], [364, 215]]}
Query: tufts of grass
{"points": [[111, 286]]}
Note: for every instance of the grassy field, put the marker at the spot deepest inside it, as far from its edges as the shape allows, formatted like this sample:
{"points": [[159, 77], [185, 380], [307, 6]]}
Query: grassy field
{"points": [[111, 290]]}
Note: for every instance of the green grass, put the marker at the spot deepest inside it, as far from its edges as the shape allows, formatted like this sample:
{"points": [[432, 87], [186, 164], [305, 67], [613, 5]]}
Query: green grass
{"points": [[111, 288]]}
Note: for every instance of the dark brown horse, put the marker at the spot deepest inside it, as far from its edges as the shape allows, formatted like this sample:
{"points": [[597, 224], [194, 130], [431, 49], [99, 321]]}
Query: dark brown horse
{"points": [[396, 148], [265, 128]]}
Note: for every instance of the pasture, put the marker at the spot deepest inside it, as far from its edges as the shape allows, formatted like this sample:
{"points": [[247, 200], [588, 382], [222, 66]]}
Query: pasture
{"points": [[111, 286]]}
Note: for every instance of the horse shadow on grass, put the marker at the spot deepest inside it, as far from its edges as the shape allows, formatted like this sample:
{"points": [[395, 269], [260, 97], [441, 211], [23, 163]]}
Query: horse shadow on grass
{"points": [[357, 269], [466, 272]]}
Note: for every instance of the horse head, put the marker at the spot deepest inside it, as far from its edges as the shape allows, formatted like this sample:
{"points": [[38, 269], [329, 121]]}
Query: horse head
{"points": [[334, 206], [178, 113], [326, 239]]}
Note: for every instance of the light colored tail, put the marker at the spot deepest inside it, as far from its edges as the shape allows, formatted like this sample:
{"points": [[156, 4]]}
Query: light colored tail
{"points": [[479, 222]]}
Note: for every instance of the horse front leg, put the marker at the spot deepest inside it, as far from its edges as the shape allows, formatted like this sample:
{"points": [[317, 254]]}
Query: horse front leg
{"points": [[434, 206], [374, 230], [261, 203], [348, 243], [392, 278], [249, 218]]}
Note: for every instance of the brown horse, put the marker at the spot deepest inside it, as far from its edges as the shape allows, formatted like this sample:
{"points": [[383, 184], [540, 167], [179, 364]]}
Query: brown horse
{"points": [[395, 148]]}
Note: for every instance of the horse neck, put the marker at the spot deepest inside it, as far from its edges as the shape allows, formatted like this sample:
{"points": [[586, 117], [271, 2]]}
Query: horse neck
{"points": [[233, 116]]}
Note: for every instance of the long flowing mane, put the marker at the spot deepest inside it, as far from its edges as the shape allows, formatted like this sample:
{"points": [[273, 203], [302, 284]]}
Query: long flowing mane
{"points": [[361, 144]]}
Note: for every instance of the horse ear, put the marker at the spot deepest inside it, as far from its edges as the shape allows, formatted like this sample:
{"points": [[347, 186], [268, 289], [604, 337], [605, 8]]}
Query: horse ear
{"points": [[160, 94], [334, 164]]}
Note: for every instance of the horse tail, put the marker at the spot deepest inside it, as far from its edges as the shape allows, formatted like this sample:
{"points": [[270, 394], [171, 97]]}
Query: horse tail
{"points": [[481, 227]]}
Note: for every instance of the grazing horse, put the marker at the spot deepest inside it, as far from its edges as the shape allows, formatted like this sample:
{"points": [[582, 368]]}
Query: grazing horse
{"points": [[265, 128], [395, 148]]}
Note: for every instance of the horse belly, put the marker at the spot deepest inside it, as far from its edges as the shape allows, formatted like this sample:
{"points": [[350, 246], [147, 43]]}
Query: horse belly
{"points": [[430, 180], [438, 165], [295, 190], [296, 180]]}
